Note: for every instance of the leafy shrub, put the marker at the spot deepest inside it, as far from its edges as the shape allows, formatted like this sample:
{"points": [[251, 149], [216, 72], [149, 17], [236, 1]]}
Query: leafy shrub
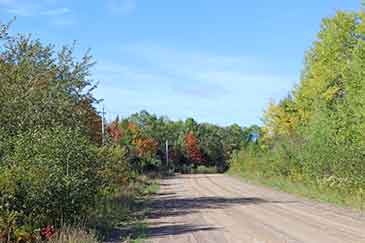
{"points": [[49, 177], [41, 88], [114, 169]]}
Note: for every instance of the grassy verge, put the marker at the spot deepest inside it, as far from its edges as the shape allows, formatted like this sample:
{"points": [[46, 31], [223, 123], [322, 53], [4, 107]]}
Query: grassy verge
{"points": [[201, 169], [74, 235], [117, 218], [311, 190], [120, 217]]}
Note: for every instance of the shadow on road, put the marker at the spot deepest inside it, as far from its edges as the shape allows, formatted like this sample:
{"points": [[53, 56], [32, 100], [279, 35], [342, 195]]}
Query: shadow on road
{"points": [[179, 229], [170, 210], [173, 206], [169, 204]]}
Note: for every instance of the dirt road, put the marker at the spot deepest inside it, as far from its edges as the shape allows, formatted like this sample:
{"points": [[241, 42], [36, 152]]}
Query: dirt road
{"points": [[219, 209]]}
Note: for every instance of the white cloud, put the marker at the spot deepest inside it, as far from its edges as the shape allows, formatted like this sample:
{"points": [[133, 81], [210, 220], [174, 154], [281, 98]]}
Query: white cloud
{"points": [[6, 2], [123, 7], [210, 71], [56, 11], [181, 83], [62, 21], [24, 12], [17, 7], [32, 8]]}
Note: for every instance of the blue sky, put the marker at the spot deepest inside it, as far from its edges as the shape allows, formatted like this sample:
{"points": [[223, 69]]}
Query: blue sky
{"points": [[216, 61]]}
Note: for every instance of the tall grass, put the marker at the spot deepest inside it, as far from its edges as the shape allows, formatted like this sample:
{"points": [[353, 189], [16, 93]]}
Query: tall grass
{"points": [[257, 169], [69, 234]]}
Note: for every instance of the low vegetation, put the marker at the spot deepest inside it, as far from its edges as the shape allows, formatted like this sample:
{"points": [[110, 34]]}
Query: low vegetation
{"points": [[73, 235]]}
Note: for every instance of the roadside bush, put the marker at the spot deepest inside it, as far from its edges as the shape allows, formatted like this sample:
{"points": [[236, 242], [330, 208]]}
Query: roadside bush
{"points": [[185, 169], [49, 178], [202, 169], [114, 170], [284, 158]]}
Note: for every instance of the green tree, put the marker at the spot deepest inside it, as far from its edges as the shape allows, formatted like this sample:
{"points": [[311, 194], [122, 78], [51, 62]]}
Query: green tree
{"points": [[41, 88]]}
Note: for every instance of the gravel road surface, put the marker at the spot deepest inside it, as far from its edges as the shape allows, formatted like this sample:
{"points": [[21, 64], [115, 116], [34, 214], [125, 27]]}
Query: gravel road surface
{"points": [[219, 209]]}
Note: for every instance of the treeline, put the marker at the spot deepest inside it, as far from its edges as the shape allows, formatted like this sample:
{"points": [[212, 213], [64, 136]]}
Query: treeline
{"points": [[316, 135], [190, 144]]}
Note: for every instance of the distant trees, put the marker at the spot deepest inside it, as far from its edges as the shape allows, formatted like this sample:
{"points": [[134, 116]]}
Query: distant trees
{"points": [[190, 143]]}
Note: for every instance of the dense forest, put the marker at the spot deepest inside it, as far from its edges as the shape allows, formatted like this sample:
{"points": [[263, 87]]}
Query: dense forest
{"points": [[60, 173]]}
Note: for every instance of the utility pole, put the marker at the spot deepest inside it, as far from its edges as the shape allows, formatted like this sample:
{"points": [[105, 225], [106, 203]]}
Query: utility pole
{"points": [[103, 127], [167, 153]]}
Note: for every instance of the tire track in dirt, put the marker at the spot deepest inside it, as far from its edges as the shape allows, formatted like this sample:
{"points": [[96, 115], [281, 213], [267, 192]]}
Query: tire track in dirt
{"points": [[355, 230], [307, 221], [258, 230], [334, 211], [221, 209]]}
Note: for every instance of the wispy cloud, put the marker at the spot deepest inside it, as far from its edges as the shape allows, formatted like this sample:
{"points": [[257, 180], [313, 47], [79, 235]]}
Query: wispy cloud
{"points": [[206, 70], [32, 8], [55, 12], [17, 7], [182, 83], [123, 7], [6, 2], [18, 11], [62, 21]]}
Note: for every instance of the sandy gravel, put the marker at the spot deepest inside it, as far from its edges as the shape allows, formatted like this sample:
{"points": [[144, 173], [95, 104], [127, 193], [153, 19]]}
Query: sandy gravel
{"points": [[219, 209]]}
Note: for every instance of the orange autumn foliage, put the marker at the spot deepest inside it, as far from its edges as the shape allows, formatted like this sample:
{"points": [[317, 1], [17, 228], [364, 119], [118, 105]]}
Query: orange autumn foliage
{"points": [[146, 147]]}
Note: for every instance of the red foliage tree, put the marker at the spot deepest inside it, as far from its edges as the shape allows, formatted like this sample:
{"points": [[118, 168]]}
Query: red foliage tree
{"points": [[192, 148], [115, 131]]}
